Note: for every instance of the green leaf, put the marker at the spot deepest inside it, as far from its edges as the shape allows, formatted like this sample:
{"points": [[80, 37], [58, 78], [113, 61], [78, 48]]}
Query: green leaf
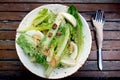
{"points": [[28, 44], [78, 30]]}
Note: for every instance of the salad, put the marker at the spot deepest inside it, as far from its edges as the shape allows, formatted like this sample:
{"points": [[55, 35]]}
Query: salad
{"points": [[53, 40]]}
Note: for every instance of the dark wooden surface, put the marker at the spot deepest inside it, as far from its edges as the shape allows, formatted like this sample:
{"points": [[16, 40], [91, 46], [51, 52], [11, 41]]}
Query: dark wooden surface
{"points": [[13, 11]]}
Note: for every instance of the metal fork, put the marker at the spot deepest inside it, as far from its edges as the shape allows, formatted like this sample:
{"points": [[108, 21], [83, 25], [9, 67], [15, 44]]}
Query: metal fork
{"points": [[98, 22]]}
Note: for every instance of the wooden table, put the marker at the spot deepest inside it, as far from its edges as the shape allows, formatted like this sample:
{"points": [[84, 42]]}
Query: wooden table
{"points": [[13, 11]]}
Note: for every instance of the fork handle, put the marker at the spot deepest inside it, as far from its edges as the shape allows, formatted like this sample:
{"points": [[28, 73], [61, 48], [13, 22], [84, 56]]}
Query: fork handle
{"points": [[100, 59], [99, 31]]}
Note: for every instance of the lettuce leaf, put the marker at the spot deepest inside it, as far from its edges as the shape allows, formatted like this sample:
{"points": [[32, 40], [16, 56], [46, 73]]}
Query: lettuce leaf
{"points": [[78, 30], [28, 44], [43, 21], [42, 16]]}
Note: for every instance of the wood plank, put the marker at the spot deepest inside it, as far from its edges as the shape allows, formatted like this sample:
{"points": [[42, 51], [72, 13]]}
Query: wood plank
{"points": [[107, 45], [12, 75], [108, 35], [8, 55], [108, 26], [113, 16], [12, 15], [80, 7], [107, 55], [107, 65], [7, 35], [84, 75], [63, 1], [111, 35], [9, 25], [7, 44], [88, 66], [18, 75], [11, 65], [96, 74]]}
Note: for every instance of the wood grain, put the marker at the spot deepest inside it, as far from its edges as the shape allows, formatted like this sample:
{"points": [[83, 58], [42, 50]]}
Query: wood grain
{"points": [[7, 44], [11, 65], [63, 1], [78, 75], [7, 35], [8, 55], [13, 25], [89, 65], [8, 25], [18, 75], [107, 65], [108, 26], [113, 16], [12, 15], [108, 35], [80, 7], [97, 73], [107, 55], [107, 45]]}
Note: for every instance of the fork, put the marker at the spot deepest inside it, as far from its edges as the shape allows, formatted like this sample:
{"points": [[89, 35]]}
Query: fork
{"points": [[98, 21]]}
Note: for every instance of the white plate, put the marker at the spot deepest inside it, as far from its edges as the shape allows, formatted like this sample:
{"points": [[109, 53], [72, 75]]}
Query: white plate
{"points": [[37, 68]]}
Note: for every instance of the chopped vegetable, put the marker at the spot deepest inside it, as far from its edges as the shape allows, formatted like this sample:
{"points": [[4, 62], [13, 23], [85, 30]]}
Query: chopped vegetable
{"points": [[73, 50], [28, 44], [70, 18], [61, 43], [78, 33], [43, 21]]}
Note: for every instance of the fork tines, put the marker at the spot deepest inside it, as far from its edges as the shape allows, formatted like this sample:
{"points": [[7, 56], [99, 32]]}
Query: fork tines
{"points": [[99, 16]]}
